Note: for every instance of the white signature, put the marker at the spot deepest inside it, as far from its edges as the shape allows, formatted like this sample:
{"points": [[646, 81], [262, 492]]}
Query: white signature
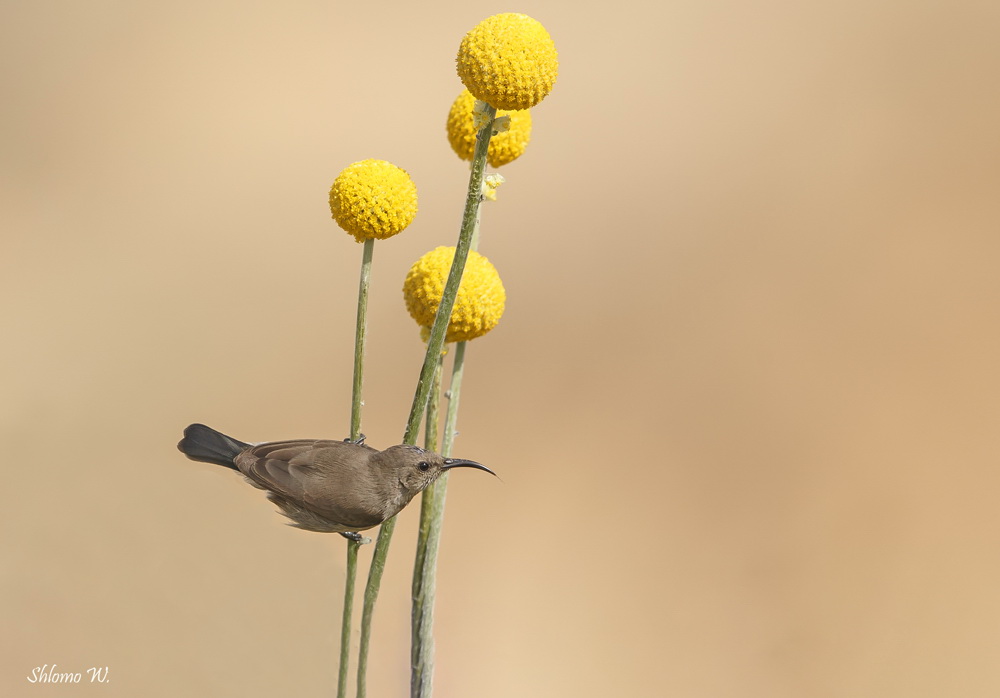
{"points": [[47, 674]]}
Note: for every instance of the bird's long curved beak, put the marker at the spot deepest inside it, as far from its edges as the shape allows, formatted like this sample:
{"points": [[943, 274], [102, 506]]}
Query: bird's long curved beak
{"points": [[461, 463]]}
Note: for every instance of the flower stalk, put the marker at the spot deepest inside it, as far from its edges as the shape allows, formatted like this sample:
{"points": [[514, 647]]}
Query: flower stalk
{"points": [[426, 506], [429, 536], [351, 572], [428, 544], [432, 356], [360, 336], [345, 626]]}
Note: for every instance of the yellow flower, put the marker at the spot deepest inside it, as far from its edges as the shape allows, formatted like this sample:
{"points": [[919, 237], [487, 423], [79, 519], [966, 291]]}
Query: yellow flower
{"points": [[480, 301], [504, 147], [490, 185], [373, 199], [509, 61]]}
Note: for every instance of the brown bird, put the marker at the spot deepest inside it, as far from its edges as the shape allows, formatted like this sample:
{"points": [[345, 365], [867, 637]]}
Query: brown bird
{"points": [[326, 486]]}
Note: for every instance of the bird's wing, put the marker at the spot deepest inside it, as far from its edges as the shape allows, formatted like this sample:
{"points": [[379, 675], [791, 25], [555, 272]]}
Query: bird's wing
{"points": [[319, 475]]}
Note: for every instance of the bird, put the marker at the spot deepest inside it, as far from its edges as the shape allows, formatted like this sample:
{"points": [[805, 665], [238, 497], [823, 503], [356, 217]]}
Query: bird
{"points": [[326, 486]]}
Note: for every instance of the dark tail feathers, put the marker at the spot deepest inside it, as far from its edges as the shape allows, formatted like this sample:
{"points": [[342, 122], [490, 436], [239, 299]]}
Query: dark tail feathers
{"points": [[210, 446]]}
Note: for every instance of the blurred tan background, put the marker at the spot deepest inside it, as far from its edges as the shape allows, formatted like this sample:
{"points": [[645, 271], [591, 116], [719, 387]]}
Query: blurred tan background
{"points": [[744, 400]]}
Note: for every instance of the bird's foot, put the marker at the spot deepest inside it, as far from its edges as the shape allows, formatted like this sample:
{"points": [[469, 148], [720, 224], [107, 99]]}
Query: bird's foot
{"points": [[357, 442], [356, 537]]}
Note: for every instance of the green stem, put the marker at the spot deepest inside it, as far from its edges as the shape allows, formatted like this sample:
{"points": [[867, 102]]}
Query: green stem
{"points": [[430, 443], [351, 572], [426, 509], [429, 541], [454, 393], [360, 336], [428, 544], [432, 422], [345, 626], [470, 219], [474, 197]]}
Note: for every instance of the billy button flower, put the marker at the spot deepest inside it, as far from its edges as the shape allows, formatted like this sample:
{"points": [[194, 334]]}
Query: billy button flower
{"points": [[373, 199], [480, 301], [508, 61], [505, 146]]}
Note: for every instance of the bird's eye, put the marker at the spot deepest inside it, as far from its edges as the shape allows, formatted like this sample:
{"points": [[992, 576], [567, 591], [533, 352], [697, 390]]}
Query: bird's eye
{"points": [[424, 465]]}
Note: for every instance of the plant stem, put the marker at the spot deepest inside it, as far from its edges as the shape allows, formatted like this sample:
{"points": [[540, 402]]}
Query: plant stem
{"points": [[429, 540], [473, 199], [432, 422], [470, 219], [345, 626], [360, 336], [420, 589], [430, 443], [351, 571], [454, 393], [428, 544]]}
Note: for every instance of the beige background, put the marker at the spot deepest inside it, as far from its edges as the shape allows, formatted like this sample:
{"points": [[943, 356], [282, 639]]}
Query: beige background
{"points": [[744, 401]]}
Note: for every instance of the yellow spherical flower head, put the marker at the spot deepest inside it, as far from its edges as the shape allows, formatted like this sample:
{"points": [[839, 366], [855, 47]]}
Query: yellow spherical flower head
{"points": [[480, 301], [373, 199], [509, 61], [504, 147]]}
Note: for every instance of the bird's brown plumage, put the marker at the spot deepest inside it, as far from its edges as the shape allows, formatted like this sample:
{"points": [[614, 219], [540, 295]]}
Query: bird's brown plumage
{"points": [[326, 486], [305, 478]]}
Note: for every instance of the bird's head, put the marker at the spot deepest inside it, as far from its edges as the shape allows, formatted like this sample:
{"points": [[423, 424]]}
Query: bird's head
{"points": [[415, 468]]}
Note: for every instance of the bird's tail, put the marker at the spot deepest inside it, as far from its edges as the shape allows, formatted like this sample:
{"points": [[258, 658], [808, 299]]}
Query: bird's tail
{"points": [[210, 446]]}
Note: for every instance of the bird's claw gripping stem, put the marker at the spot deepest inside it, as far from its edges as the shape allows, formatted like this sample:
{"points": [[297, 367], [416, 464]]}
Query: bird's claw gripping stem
{"points": [[356, 537]]}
